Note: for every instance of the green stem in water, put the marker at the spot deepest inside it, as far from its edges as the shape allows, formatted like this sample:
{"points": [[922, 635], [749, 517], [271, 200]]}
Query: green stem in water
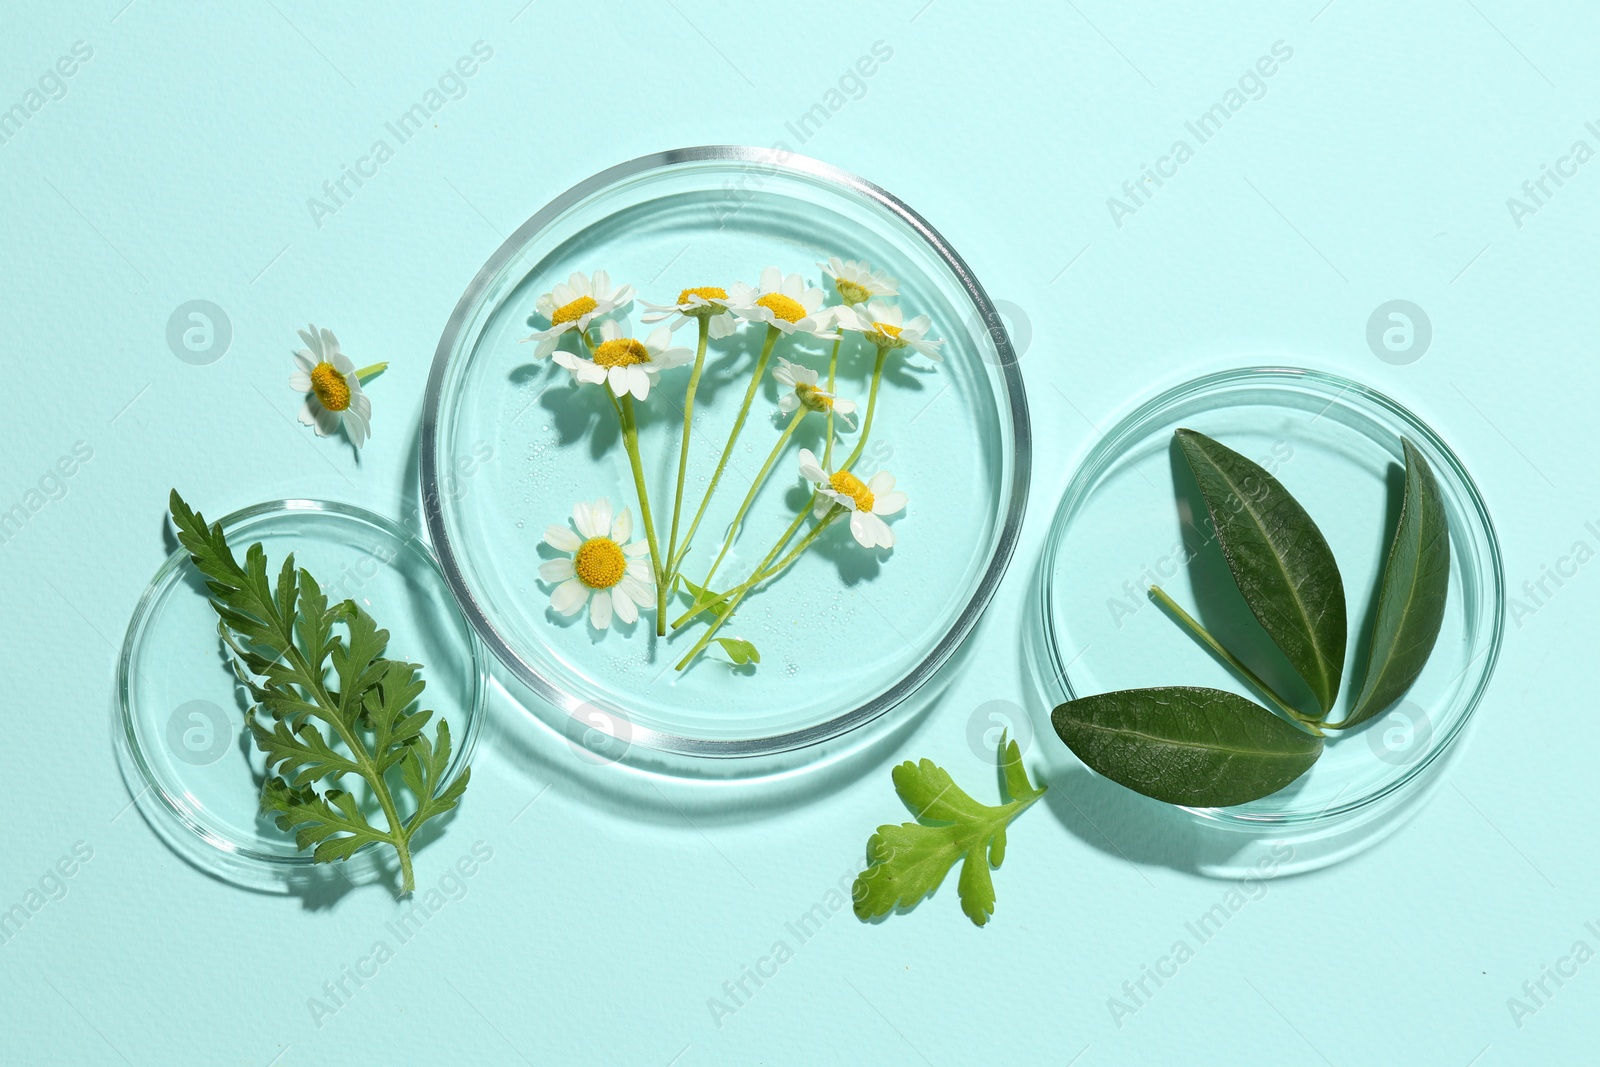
{"points": [[1193, 626], [371, 372], [755, 487], [855, 454], [872, 407], [833, 371], [683, 451], [773, 333], [744, 590], [760, 567], [630, 441]]}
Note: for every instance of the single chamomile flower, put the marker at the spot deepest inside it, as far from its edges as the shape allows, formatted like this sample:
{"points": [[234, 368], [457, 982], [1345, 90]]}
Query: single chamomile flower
{"points": [[629, 366], [573, 305], [332, 386], [866, 501], [801, 388], [885, 326], [785, 303], [601, 568], [706, 302], [857, 282]]}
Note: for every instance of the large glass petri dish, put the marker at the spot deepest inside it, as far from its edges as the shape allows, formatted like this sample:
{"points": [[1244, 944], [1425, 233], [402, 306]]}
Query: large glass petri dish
{"points": [[847, 634]]}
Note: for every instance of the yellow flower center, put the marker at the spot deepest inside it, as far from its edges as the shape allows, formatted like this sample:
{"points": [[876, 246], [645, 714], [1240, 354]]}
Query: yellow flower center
{"points": [[623, 352], [812, 397], [573, 311], [848, 484], [851, 292], [787, 309], [600, 563], [330, 387], [705, 292], [887, 330]]}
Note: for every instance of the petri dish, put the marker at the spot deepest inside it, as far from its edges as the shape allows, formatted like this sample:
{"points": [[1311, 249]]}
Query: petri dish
{"points": [[189, 763], [1127, 520], [846, 635]]}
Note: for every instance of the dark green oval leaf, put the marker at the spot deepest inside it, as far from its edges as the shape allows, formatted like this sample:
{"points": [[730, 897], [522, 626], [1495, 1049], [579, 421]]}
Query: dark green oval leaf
{"points": [[1279, 559], [1187, 745], [1416, 580]]}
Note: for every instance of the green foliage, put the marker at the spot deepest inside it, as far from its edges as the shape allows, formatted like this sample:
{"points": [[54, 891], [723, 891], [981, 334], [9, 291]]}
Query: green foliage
{"points": [[1187, 744], [907, 862], [1411, 600], [329, 710], [739, 650], [1279, 558]]}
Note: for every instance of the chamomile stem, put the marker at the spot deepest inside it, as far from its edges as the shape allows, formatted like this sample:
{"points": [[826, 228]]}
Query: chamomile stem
{"points": [[744, 590], [683, 450], [1193, 626], [855, 454], [833, 372], [630, 441], [872, 407], [773, 333], [755, 487], [771, 555], [371, 372]]}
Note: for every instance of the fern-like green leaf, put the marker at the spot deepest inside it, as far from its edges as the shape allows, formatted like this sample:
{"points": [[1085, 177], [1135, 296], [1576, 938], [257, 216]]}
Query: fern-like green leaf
{"points": [[336, 720]]}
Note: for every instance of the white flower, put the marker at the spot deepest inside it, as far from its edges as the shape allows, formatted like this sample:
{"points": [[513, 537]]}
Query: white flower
{"points": [[883, 324], [783, 302], [573, 305], [857, 282], [866, 501], [599, 562], [708, 302], [332, 388], [801, 388], [629, 366]]}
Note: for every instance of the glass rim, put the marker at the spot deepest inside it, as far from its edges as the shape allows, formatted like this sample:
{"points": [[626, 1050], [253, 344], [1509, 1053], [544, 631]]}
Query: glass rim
{"points": [[465, 741], [1016, 406], [1098, 459]]}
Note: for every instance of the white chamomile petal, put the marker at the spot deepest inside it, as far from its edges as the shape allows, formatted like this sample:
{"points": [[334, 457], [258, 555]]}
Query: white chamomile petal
{"points": [[600, 609], [562, 538], [622, 526], [568, 597], [557, 570], [888, 503], [622, 604]]}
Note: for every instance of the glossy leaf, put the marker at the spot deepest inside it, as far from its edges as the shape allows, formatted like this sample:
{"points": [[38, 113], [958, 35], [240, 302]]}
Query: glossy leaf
{"points": [[1187, 745], [1279, 559], [1411, 600]]}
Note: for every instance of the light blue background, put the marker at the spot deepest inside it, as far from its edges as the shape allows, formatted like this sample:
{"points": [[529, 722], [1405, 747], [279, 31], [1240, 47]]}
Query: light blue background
{"points": [[1377, 166]]}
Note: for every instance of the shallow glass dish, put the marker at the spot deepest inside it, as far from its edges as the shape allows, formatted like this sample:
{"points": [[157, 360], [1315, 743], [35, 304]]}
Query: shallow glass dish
{"points": [[846, 635], [1127, 521], [192, 768]]}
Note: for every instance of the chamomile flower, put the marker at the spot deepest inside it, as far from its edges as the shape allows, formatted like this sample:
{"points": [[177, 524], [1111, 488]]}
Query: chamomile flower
{"points": [[601, 568], [884, 325], [574, 305], [857, 282], [332, 387], [800, 384], [705, 302], [786, 303], [866, 501], [628, 365]]}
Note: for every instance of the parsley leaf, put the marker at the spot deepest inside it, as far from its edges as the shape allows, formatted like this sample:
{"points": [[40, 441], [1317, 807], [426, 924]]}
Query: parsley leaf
{"points": [[330, 712], [908, 862]]}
